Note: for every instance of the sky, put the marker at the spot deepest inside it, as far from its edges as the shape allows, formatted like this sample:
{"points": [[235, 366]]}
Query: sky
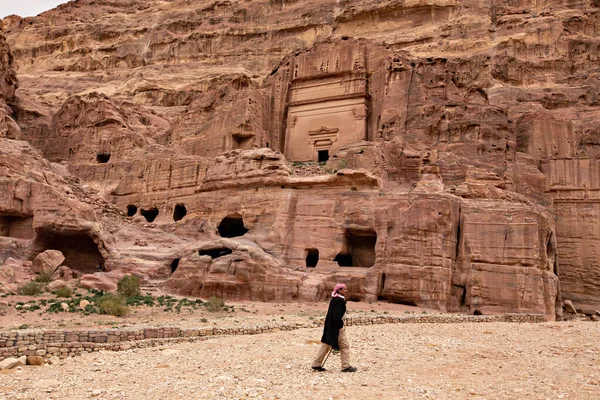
{"points": [[27, 8]]}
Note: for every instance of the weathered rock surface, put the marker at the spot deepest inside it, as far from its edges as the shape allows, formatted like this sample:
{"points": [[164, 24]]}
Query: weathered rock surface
{"points": [[9, 363], [47, 262], [8, 85], [457, 139]]}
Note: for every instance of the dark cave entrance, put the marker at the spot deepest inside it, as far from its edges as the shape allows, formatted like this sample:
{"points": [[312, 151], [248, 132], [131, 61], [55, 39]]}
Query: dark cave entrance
{"points": [[215, 253], [358, 249], [243, 142], [232, 226], [323, 155], [175, 264], [312, 258], [150, 214], [80, 251], [16, 227], [102, 158], [131, 210], [179, 212]]}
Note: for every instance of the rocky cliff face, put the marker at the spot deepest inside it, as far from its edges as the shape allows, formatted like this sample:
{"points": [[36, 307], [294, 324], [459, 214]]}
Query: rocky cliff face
{"points": [[456, 140], [8, 85]]}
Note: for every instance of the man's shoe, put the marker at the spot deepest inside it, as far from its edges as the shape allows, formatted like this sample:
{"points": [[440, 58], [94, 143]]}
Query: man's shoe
{"points": [[319, 369], [349, 369]]}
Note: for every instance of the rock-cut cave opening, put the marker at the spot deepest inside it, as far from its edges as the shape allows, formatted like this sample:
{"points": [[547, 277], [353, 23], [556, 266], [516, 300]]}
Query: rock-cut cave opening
{"points": [[312, 258], [131, 210], [80, 251], [16, 227], [358, 249], [232, 226], [102, 158], [150, 214], [179, 212]]}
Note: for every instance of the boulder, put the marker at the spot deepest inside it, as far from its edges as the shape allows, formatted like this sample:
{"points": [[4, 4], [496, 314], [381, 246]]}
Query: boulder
{"points": [[7, 274], [55, 285], [35, 360], [64, 273], [106, 281], [4, 308], [48, 261], [9, 363]]}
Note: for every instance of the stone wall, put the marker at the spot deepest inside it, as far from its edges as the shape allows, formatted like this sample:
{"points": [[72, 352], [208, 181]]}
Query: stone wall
{"points": [[69, 343]]}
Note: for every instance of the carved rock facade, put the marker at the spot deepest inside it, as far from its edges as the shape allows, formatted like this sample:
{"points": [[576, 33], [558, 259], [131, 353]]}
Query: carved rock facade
{"points": [[457, 140]]}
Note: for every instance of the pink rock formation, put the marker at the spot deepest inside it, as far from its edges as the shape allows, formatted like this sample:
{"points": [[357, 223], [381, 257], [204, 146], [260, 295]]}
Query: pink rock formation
{"points": [[457, 143], [47, 262]]}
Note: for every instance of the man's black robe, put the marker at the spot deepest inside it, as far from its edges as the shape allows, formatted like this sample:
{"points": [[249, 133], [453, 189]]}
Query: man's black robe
{"points": [[334, 322]]}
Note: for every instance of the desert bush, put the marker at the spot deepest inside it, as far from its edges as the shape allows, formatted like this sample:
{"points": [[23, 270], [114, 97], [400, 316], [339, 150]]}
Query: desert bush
{"points": [[129, 285], [214, 304], [43, 277], [31, 289], [64, 292], [113, 305]]}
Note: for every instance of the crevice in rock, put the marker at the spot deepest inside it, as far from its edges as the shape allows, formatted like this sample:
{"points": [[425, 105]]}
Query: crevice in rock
{"points": [[175, 264], [457, 254], [381, 287], [179, 212], [150, 214], [215, 253], [232, 226], [312, 258]]}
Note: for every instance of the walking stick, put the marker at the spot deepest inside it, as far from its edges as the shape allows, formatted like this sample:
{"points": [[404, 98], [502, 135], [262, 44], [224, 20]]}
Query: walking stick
{"points": [[326, 357]]}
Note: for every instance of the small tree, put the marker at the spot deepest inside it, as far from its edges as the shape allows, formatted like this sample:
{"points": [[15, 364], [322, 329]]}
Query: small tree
{"points": [[129, 286]]}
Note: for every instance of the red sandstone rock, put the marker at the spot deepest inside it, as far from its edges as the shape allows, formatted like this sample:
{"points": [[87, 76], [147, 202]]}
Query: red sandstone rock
{"points": [[35, 360], [106, 281], [55, 285], [453, 132], [64, 273], [47, 262]]}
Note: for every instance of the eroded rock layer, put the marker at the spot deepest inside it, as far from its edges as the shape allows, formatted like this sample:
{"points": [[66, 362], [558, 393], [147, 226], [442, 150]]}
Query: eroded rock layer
{"points": [[432, 152]]}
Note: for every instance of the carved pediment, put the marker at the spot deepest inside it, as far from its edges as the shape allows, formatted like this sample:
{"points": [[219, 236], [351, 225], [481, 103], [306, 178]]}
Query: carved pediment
{"points": [[323, 134]]}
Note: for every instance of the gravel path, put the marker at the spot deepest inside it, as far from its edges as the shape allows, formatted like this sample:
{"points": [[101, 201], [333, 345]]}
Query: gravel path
{"points": [[413, 361]]}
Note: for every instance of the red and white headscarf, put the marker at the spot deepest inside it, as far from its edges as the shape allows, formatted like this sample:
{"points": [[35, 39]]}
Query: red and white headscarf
{"points": [[338, 287]]}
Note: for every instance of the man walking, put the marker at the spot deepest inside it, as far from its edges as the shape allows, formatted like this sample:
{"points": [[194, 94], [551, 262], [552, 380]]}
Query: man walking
{"points": [[334, 332]]}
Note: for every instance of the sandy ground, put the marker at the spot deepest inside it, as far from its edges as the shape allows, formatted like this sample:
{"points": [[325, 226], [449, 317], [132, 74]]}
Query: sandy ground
{"points": [[242, 313], [405, 361]]}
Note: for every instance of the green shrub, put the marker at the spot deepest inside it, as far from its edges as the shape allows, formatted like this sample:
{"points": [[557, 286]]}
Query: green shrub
{"points": [[31, 289], [43, 277], [64, 292], [214, 304], [113, 305], [129, 285]]}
